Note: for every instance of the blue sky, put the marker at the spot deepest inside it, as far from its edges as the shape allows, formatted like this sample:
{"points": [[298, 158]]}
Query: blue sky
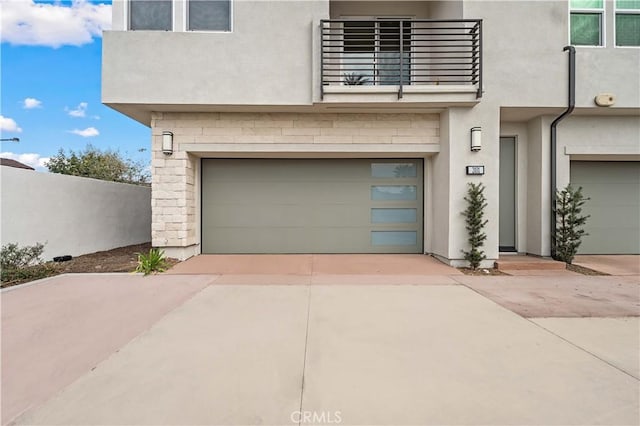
{"points": [[50, 83]]}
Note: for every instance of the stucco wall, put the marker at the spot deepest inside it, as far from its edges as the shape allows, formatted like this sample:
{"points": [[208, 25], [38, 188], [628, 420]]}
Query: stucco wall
{"points": [[264, 63], [452, 170], [524, 64], [267, 58], [72, 215], [596, 138]]}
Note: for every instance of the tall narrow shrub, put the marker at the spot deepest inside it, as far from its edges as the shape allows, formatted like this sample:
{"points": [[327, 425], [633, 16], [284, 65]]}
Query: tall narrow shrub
{"points": [[475, 223], [569, 223]]}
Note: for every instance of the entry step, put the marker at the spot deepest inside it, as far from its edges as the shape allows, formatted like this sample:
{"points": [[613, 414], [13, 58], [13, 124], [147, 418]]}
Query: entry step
{"points": [[519, 263]]}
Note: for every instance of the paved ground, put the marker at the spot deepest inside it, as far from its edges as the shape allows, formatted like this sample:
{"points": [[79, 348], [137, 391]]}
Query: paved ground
{"points": [[369, 349], [314, 264], [562, 295], [56, 331], [611, 264], [606, 338]]}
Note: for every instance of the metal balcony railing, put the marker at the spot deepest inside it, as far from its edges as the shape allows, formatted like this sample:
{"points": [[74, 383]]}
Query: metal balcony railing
{"points": [[387, 52]]}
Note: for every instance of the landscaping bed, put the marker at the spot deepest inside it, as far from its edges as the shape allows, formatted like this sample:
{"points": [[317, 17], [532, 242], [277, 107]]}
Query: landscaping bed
{"points": [[122, 259], [481, 271], [584, 271]]}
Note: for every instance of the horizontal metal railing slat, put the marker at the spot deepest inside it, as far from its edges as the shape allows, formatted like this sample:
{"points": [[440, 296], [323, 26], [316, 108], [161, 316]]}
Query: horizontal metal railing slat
{"points": [[401, 52]]}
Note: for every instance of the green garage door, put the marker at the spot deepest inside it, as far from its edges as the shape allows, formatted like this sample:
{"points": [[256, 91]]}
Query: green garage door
{"points": [[614, 189], [312, 206]]}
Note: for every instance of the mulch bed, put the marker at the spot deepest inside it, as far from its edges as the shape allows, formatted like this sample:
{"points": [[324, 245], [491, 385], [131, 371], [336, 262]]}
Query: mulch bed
{"points": [[584, 271], [122, 259], [481, 271]]}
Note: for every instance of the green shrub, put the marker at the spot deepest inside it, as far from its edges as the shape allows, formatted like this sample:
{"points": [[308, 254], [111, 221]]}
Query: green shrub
{"points": [[569, 223], [28, 273], [152, 262], [13, 256], [474, 213], [21, 264]]}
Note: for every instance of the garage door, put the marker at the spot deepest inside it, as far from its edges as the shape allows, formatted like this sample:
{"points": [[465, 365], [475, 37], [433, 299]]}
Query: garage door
{"points": [[614, 189], [312, 206]]}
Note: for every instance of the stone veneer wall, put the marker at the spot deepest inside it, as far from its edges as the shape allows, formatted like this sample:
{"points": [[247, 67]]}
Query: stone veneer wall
{"points": [[174, 207]]}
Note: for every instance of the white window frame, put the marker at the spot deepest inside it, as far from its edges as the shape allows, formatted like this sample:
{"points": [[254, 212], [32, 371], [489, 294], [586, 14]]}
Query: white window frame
{"points": [[185, 13], [603, 24], [615, 29], [127, 17]]}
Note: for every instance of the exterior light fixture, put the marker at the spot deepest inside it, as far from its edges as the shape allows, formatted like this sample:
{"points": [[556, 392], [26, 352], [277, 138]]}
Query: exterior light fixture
{"points": [[476, 139], [167, 143], [10, 140]]}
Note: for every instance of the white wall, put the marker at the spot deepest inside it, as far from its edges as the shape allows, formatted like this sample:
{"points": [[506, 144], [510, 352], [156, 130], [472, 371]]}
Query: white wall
{"points": [[73, 215], [267, 59]]}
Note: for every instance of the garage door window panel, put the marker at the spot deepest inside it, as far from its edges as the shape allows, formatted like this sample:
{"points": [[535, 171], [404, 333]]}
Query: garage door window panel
{"points": [[394, 170], [394, 238], [394, 215], [394, 192]]}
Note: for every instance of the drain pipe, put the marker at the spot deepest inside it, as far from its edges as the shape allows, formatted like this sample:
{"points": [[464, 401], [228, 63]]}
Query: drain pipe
{"points": [[571, 105]]}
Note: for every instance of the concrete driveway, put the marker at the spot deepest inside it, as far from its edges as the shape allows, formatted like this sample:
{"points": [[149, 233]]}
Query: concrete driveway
{"points": [[177, 349]]}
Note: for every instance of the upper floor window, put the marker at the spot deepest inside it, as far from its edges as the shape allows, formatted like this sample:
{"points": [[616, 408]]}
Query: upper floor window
{"points": [[587, 17], [151, 15], [627, 22], [209, 15]]}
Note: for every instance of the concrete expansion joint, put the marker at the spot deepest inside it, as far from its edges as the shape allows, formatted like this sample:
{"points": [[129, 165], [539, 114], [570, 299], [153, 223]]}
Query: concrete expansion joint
{"points": [[583, 349], [306, 345]]}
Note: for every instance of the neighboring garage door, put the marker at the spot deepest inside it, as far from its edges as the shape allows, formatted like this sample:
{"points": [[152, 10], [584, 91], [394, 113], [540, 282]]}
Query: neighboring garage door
{"points": [[312, 206], [614, 189]]}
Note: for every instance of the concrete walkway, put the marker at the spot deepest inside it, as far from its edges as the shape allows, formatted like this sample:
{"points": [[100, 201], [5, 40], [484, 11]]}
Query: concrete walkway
{"points": [[375, 354]]}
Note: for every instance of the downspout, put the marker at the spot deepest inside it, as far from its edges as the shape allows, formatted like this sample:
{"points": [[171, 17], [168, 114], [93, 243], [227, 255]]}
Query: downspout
{"points": [[571, 105]]}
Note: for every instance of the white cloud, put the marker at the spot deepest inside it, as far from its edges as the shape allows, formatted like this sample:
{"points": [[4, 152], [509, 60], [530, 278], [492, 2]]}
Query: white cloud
{"points": [[9, 125], [86, 133], [30, 159], [31, 103], [53, 24], [80, 111]]}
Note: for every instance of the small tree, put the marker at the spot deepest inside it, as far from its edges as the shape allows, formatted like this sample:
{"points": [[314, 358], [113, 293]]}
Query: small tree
{"points": [[569, 223], [476, 203], [104, 165]]}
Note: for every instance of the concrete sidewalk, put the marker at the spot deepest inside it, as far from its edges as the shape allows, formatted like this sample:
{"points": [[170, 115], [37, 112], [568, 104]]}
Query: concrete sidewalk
{"points": [[402, 355]]}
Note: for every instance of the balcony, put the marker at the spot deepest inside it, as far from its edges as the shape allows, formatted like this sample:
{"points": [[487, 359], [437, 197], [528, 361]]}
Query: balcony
{"points": [[413, 60]]}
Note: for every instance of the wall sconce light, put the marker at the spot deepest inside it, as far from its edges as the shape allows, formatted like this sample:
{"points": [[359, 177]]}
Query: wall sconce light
{"points": [[167, 143], [476, 139]]}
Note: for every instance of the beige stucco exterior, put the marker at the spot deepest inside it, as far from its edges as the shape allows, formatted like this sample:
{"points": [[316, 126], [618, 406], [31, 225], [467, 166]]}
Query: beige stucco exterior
{"points": [[255, 92]]}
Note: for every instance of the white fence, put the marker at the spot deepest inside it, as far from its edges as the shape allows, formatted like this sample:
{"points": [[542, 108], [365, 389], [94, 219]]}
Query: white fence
{"points": [[72, 215]]}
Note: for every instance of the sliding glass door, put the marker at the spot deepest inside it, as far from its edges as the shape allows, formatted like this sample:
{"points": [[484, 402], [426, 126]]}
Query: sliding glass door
{"points": [[373, 54]]}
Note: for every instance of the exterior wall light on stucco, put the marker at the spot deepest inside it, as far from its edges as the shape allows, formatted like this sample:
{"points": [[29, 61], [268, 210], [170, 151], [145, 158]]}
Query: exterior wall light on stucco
{"points": [[476, 139], [167, 143]]}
